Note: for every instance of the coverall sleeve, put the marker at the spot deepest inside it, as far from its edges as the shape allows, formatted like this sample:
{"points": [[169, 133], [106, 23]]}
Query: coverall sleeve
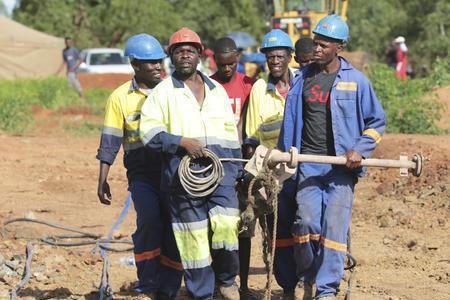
{"points": [[288, 137], [253, 120], [374, 119], [112, 132], [154, 123]]}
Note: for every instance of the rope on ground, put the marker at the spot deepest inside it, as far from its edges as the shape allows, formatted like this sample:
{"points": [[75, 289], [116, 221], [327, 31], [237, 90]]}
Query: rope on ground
{"points": [[106, 290], [89, 238], [268, 181], [115, 226], [351, 264], [26, 272]]}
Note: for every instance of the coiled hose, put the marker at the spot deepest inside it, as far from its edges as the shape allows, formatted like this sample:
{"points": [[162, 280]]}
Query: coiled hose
{"points": [[194, 182]]}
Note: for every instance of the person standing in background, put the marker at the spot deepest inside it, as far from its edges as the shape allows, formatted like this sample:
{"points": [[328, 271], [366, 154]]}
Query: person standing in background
{"points": [[238, 87], [72, 59], [401, 57]]}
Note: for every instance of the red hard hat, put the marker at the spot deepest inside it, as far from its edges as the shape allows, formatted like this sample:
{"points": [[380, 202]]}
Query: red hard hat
{"points": [[185, 35]]}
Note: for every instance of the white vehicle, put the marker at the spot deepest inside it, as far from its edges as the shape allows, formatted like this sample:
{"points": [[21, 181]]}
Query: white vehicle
{"points": [[104, 60]]}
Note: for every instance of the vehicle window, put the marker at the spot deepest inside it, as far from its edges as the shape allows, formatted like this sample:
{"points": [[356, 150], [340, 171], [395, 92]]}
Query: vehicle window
{"points": [[108, 59], [300, 5]]}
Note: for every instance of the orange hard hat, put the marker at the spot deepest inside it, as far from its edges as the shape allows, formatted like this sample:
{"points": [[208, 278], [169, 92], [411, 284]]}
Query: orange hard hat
{"points": [[185, 35]]}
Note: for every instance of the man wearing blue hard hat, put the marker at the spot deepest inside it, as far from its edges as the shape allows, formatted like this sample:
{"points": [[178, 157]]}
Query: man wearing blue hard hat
{"points": [[331, 109], [264, 118], [266, 103], [157, 259]]}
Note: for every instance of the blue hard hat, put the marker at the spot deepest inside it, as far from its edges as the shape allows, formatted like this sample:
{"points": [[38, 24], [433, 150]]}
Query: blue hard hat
{"points": [[144, 47], [332, 26], [276, 38]]}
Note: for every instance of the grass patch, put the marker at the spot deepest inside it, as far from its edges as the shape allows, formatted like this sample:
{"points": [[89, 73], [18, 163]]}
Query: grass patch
{"points": [[17, 97], [83, 128], [407, 108]]}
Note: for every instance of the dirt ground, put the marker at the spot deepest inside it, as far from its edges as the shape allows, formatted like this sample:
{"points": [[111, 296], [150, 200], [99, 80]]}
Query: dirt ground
{"points": [[400, 226], [109, 80]]}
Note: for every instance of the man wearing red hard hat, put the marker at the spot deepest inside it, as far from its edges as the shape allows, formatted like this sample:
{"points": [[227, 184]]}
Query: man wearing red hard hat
{"points": [[190, 114]]}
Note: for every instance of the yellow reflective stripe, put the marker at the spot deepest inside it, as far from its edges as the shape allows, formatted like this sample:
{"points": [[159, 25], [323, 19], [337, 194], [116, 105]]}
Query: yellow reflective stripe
{"points": [[192, 244], [118, 132], [132, 139], [333, 245], [314, 237], [302, 239], [373, 134], [225, 231], [132, 146], [347, 86]]}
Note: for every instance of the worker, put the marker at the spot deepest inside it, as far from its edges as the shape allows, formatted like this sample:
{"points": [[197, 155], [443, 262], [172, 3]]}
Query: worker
{"points": [[72, 59], [401, 56], [185, 114], [238, 87], [263, 123], [159, 268], [331, 109], [304, 51]]}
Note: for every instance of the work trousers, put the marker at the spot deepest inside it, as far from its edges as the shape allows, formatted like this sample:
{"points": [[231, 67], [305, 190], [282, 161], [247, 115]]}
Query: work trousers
{"points": [[198, 223], [313, 221], [159, 268]]}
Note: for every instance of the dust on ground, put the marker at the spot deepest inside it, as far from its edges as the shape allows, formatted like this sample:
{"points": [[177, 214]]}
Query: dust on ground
{"points": [[400, 226]]}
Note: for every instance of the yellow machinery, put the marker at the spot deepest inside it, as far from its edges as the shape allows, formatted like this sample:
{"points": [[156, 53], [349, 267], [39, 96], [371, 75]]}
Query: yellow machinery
{"points": [[299, 17]]}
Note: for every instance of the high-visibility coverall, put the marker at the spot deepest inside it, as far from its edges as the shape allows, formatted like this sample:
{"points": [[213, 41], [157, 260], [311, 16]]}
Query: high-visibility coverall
{"points": [[264, 114], [324, 193], [172, 112], [157, 259]]}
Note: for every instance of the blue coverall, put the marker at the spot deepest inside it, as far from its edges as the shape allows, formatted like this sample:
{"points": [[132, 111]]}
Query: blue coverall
{"points": [[323, 194]]}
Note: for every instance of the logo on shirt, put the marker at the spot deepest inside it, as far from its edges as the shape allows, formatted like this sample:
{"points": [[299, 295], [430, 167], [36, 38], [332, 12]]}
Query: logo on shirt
{"points": [[318, 95]]}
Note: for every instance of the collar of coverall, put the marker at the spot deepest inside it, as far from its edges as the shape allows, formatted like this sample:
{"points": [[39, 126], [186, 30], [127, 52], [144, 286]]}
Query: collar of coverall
{"points": [[345, 65], [180, 84], [271, 83], [134, 87]]}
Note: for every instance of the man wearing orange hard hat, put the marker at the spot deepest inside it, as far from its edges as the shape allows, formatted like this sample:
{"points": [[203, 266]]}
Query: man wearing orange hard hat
{"points": [[190, 114]]}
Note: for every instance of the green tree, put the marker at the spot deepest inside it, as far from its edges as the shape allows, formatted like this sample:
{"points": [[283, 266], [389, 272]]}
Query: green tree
{"points": [[222, 17], [425, 24], [95, 23], [373, 25]]}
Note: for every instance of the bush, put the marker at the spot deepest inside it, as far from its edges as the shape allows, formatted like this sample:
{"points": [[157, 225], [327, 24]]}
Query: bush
{"points": [[17, 96], [15, 114], [96, 99], [407, 110]]}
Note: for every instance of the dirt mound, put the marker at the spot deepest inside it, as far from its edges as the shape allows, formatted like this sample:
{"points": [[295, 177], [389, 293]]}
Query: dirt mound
{"points": [[110, 81], [436, 170]]}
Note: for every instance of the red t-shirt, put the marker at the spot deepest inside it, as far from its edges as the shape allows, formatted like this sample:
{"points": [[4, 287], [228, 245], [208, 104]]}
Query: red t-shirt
{"points": [[238, 90]]}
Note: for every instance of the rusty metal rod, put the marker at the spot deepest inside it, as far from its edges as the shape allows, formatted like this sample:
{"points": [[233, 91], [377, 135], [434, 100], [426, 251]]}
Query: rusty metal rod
{"points": [[339, 160]]}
